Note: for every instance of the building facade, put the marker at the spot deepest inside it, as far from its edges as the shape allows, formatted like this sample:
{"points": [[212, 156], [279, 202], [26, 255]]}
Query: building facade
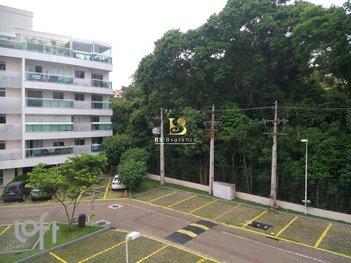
{"points": [[54, 95]]}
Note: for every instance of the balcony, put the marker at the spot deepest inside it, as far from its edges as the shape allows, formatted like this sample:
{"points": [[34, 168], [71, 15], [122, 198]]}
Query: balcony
{"points": [[81, 127], [11, 131], [101, 126], [101, 105], [48, 151], [49, 127], [10, 154], [10, 79], [67, 80], [72, 149], [55, 50], [49, 103]]}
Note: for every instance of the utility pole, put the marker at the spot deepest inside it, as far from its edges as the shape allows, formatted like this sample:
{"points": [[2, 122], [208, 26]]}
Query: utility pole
{"points": [[273, 195], [211, 177], [162, 153], [275, 122]]}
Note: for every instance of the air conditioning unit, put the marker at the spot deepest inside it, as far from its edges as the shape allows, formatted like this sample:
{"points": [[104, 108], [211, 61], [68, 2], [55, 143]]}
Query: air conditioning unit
{"points": [[224, 190]]}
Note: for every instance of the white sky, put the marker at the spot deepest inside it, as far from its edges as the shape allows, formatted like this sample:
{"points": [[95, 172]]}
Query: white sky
{"points": [[131, 26]]}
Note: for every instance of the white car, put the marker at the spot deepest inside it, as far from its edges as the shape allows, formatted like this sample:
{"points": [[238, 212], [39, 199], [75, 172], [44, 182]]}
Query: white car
{"points": [[116, 184]]}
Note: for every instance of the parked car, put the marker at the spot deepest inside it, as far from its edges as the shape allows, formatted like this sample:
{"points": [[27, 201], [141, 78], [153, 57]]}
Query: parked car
{"points": [[15, 191], [116, 184], [40, 194]]}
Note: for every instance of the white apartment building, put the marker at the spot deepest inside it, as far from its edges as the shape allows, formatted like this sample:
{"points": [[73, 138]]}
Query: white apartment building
{"points": [[54, 95]]}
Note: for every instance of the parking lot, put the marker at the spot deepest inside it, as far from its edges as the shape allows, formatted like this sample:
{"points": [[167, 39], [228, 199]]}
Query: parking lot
{"points": [[109, 246], [320, 234]]}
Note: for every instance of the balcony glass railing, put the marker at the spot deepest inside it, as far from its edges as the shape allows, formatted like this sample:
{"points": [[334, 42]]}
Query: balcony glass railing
{"points": [[54, 50], [36, 152], [59, 79], [101, 105], [96, 147], [32, 76], [100, 127], [101, 83], [49, 103], [49, 127]]}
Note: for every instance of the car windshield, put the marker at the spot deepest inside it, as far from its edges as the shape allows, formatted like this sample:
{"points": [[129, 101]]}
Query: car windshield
{"points": [[11, 188], [115, 179]]}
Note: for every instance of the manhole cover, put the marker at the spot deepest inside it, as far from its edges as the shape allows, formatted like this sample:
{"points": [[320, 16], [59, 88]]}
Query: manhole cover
{"points": [[102, 223], [115, 206], [260, 225]]}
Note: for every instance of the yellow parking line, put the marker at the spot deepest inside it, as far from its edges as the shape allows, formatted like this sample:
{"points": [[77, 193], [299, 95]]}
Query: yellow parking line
{"points": [[253, 219], [101, 252], [187, 232], [107, 187], [58, 258], [226, 212], [287, 225], [200, 226], [186, 199], [3, 231], [162, 197], [201, 260], [153, 253], [325, 232], [247, 230], [196, 209]]}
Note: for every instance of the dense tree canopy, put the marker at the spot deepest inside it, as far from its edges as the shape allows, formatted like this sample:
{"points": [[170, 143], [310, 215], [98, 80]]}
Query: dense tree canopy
{"points": [[242, 60]]}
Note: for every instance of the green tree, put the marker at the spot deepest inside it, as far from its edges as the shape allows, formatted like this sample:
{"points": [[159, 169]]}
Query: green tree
{"points": [[131, 173], [69, 181]]}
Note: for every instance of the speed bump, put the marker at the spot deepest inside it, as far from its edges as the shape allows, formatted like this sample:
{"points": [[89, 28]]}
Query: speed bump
{"points": [[190, 231]]}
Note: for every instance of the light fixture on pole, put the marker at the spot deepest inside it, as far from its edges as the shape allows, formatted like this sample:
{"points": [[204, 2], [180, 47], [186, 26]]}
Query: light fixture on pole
{"points": [[306, 163], [131, 236]]}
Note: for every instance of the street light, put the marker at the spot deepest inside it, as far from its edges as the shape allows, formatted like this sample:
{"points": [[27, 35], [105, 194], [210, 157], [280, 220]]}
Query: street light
{"points": [[306, 159], [131, 236]]}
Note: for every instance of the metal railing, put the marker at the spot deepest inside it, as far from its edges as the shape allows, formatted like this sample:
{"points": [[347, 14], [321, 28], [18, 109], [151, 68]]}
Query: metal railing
{"points": [[49, 127], [47, 151], [49, 103], [54, 50], [68, 80], [101, 126], [101, 105]]}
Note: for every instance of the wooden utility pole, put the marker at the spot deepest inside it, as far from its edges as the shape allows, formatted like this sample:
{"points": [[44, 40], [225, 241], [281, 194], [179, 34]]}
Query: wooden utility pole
{"points": [[162, 154], [211, 177]]}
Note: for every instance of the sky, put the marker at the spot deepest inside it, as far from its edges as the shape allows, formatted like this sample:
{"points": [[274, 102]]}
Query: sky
{"points": [[131, 26]]}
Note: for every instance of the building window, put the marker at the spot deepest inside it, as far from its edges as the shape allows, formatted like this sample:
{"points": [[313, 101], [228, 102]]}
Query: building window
{"points": [[95, 118], [79, 96], [2, 92], [2, 65], [1, 177], [97, 140], [16, 172], [57, 95], [79, 141], [79, 74], [59, 144], [38, 69], [34, 94], [96, 97], [97, 76], [2, 118], [2, 145]]}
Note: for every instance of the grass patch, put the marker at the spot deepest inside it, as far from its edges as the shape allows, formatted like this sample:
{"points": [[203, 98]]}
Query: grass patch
{"points": [[240, 215], [64, 234], [171, 199], [338, 239], [305, 231], [192, 204]]}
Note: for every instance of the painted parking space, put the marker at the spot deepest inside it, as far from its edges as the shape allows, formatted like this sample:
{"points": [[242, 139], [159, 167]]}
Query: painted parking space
{"points": [[109, 246], [289, 227]]}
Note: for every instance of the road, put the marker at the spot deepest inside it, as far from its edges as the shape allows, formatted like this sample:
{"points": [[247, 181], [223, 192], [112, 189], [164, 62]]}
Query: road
{"points": [[223, 243]]}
